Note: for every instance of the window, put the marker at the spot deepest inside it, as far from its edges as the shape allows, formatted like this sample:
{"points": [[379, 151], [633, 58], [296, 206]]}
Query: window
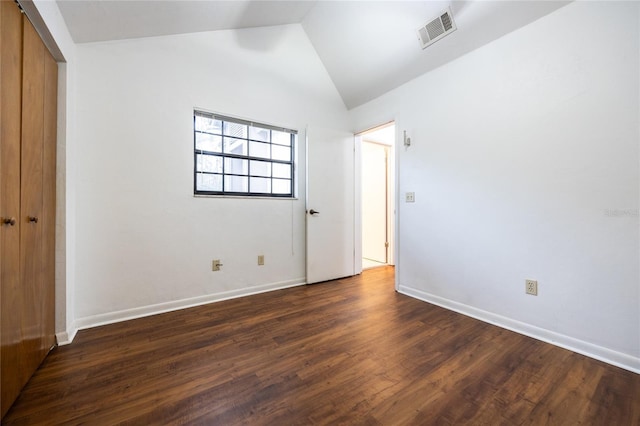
{"points": [[237, 157]]}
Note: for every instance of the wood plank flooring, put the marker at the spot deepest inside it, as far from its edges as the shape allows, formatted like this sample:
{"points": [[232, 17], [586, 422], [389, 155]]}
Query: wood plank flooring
{"points": [[351, 351]]}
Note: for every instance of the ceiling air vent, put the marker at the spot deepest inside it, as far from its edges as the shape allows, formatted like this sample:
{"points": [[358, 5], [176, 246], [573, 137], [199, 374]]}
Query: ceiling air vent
{"points": [[434, 30]]}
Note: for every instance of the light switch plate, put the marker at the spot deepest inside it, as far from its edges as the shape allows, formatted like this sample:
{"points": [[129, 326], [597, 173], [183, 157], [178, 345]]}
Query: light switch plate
{"points": [[215, 265], [410, 197]]}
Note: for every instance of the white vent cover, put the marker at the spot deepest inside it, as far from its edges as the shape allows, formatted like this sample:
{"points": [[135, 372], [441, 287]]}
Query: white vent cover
{"points": [[434, 30]]}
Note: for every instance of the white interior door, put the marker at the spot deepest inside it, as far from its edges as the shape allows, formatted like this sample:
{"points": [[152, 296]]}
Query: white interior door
{"points": [[330, 204], [374, 201]]}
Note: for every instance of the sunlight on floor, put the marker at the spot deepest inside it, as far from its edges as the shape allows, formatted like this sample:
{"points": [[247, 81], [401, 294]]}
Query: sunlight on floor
{"points": [[368, 264]]}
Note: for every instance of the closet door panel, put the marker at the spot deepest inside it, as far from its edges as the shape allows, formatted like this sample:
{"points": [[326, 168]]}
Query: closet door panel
{"points": [[31, 235], [13, 374]]}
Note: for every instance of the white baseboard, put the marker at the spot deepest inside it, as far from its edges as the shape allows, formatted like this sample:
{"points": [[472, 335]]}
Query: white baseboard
{"points": [[66, 337], [600, 353]]}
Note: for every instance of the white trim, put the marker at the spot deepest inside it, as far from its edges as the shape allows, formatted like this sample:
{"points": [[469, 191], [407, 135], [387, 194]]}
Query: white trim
{"points": [[396, 207], [32, 12], [357, 204], [66, 337], [374, 128], [600, 353]]}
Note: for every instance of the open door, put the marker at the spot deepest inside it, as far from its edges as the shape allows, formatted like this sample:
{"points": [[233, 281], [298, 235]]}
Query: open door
{"points": [[330, 204]]}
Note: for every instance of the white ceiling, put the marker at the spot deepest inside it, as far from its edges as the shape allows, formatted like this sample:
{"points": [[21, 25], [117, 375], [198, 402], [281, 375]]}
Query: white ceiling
{"points": [[367, 47], [101, 20]]}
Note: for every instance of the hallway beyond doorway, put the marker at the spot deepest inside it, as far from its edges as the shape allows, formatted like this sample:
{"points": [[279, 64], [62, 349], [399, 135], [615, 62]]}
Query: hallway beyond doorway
{"points": [[377, 195]]}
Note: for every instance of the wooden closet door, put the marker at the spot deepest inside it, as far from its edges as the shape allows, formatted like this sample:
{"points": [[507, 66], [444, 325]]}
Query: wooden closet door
{"points": [[37, 177], [13, 374], [31, 192], [27, 178]]}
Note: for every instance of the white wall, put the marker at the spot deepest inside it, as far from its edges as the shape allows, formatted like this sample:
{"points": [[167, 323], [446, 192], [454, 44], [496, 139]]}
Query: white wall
{"points": [[144, 242], [525, 164]]}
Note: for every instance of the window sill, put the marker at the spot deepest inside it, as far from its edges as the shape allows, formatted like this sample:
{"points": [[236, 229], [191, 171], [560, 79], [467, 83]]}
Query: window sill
{"points": [[244, 197]]}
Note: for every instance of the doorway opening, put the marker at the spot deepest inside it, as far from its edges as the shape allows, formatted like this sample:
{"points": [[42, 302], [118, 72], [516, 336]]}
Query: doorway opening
{"points": [[377, 195]]}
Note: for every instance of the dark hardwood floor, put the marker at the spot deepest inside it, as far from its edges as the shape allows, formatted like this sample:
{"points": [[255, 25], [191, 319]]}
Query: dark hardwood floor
{"points": [[350, 351]]}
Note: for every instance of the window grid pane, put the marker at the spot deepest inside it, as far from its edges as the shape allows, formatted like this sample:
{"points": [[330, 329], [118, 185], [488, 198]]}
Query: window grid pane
{"points": [[208, 182], [208, 142], [236, 183], [208, 163], [260, 150], [260, 168], [208, 125], [242, 158], [282, 153], [259, 134], [235, 130], [235, 146], [260, 185], [280, 138]]}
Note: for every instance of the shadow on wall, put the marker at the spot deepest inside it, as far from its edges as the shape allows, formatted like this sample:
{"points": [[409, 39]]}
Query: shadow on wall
{"points": [[257, 41]]}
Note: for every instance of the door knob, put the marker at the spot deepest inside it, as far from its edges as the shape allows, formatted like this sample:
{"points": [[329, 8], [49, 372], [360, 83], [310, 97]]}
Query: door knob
{"points": [[33, 219], [9, 221], [312, 212]]}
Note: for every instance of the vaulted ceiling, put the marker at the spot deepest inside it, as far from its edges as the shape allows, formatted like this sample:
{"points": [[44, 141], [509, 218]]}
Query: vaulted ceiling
{"points": [[367, 47]]}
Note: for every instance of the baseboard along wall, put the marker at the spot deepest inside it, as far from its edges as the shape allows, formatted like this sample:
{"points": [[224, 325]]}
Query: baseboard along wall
{"points": [[66, 337], [600, 353]]}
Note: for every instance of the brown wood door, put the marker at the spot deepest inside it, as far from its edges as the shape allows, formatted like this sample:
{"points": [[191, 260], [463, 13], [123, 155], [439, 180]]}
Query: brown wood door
{"points": [[27, 178], [37, 327], [13, 373]]}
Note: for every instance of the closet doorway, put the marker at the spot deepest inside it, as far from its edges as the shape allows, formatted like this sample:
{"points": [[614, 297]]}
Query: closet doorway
{"points": [[377, 192]]}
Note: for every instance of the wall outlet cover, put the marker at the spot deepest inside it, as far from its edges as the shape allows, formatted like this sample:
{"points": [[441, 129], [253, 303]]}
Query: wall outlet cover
{"points": [[531, 287], [410, 197]]}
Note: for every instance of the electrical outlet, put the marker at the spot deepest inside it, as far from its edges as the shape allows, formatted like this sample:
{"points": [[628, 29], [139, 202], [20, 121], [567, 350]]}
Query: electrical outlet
{"points": [[410, 197], [260, 259], [531, 287], [215, 265]]}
